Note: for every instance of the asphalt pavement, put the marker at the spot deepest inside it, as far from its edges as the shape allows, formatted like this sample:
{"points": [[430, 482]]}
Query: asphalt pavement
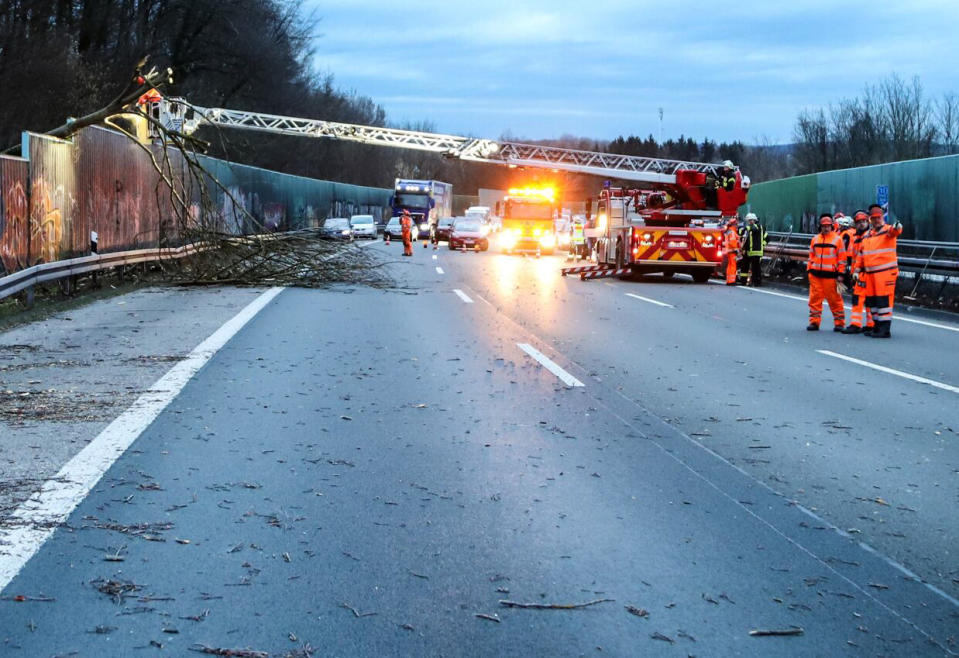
{"points": [[491, 459]]}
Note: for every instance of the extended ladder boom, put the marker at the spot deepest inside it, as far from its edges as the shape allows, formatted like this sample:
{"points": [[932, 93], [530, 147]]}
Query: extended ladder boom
{"points": [[182, 116]]}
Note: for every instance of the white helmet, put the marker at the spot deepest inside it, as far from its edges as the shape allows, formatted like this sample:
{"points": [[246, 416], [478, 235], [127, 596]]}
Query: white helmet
{"points": [[751, 216], [844, 221], [729, 164]]}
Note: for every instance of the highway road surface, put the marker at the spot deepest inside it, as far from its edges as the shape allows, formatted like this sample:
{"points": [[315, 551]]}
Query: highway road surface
{"points": [[490, 459]]}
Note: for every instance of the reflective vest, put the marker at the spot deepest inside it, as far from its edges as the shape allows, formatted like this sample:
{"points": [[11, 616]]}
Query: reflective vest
{"points": [[827, 255], [578, 237], [877, 252], [731, 242]]}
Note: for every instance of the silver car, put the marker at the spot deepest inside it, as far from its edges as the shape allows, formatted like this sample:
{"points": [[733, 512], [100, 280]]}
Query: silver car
{"points": [[363, 226]]}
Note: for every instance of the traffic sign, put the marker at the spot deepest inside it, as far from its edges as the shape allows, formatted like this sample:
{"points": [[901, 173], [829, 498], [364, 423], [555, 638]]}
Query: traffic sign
{"points": [[882, 195]]}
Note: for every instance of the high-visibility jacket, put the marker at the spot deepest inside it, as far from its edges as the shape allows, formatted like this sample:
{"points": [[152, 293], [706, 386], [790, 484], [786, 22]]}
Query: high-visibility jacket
{"points": [[877, 251], [731, 240], [754, 240], [827, 255], [853, 246]]}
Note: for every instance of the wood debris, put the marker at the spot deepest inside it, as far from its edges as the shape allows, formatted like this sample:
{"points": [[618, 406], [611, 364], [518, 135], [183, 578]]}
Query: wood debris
{"points": [[552, 606]]}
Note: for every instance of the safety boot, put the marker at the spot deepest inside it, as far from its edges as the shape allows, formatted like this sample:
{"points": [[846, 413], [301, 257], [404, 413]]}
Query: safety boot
{"points": [[852, 329], [812, 327], [882, 330], [838, 328], [867, 331]]}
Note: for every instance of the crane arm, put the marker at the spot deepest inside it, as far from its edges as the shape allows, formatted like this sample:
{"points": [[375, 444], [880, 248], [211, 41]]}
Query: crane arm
{"points": [[182, 116]]}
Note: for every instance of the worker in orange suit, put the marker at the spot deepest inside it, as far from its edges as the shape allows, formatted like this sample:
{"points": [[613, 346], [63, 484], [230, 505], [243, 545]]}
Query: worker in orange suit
{"points": [[406, 224], [731, 249], [861, 321], [877, 268], [826, 263]]}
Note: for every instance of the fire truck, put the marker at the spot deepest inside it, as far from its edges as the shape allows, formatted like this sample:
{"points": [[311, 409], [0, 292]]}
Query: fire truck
{"points": [[669, 229], [527, 215], [669, 224]]}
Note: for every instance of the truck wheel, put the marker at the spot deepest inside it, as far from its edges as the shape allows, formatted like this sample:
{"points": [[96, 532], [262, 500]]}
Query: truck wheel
{"points": [[701, 276]]}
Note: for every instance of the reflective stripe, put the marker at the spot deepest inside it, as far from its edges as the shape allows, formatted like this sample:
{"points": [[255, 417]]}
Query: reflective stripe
{"points": [[878, 251], [881, 268]]}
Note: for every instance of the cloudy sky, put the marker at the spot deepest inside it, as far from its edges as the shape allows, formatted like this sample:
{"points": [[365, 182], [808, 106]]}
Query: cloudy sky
{"points": [[726, 70]]}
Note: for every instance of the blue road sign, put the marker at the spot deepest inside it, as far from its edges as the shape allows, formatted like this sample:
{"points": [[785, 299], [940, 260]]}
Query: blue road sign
{"points": [[882, 195]]}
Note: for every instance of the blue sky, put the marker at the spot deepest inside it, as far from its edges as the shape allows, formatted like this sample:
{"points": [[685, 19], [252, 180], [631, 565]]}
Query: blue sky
{"points": [[727, 70]]}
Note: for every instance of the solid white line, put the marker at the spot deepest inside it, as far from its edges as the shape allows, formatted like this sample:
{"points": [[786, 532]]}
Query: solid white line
{"points": [[651, 301], [550, 365], [439, 270], [368, 244], [462, 295], [59, 496], [898, 373], [434, 256], [897, 318]]}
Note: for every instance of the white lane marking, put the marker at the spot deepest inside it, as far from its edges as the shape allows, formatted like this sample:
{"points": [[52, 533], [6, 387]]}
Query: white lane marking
{"points": [[462, 295], [434, 256], [368, 244], [651, 301], [897, 318], [550, 365], [483, 299], [59, 496], [891, 371], [439, 270]]}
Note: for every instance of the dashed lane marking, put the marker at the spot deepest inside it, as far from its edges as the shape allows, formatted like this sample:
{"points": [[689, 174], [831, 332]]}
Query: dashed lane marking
{"points": [[37, 518], [891, 371], [651, 301], [462, 295], [550, 365], [897, 318], [439, 270]]}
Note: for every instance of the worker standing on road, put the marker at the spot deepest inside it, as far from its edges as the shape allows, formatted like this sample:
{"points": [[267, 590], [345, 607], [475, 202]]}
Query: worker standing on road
{"points": [[753, 245], [877, 268], [731, 249], [861, 321], [827, 262], [406, 224]]}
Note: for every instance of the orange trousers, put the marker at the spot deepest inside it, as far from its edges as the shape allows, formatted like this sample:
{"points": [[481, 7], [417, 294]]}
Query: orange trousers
{"points": [[731, 268], [861, 317], [407, 242], [825, 289], [880, 293]]}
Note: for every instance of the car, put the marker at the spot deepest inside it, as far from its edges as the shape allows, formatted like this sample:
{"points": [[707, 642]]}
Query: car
{"points": [[441, 229], [394, 231], [363, 226], [480, 212], [337, 228], [468, 232]]}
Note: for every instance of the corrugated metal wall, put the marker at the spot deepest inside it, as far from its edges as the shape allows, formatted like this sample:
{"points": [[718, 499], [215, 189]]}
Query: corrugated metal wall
{"points": [[923, 195], [13, 214], [100, 182]]}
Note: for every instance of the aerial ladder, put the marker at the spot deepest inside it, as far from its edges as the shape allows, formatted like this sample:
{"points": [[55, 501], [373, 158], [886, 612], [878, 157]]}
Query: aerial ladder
{"points": [[683, 182]]}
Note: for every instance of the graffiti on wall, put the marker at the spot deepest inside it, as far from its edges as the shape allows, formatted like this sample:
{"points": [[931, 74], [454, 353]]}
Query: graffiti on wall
{"points": [[13, 228], [47, 220]]}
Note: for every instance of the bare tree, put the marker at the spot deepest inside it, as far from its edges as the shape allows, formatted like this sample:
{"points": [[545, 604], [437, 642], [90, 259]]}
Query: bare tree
{"points": [[947, 116]]}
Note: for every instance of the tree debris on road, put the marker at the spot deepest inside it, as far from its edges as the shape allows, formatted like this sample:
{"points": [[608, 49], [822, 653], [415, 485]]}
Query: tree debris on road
{"points": [[553, 606]]}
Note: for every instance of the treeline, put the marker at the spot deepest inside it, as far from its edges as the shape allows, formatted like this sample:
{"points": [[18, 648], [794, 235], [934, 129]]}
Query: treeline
{"points": [[61, 58], [893, 120]]}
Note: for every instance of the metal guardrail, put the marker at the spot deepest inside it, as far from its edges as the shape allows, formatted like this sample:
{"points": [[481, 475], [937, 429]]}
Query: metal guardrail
{"points": [[914, 255], [46, 272]]}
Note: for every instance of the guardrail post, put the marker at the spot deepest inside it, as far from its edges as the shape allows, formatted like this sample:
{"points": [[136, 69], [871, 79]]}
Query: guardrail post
{"points": [[29, 296]]}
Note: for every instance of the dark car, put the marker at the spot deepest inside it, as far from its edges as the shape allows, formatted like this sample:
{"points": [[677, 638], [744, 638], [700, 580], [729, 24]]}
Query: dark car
{"points": [[440, 231], [337, 228], [394, 231], [469, 233]]}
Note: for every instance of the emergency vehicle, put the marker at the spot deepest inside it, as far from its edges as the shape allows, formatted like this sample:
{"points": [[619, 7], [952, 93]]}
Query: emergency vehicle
{"points": [[527, 220], [668, 230]]}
